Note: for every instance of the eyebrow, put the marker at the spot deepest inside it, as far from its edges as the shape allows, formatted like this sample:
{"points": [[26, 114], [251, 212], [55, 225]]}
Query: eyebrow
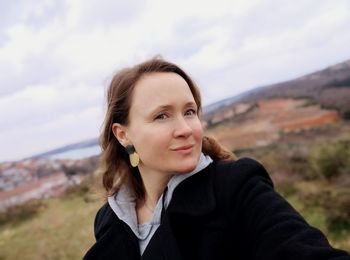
{"points": [[165, 107]]}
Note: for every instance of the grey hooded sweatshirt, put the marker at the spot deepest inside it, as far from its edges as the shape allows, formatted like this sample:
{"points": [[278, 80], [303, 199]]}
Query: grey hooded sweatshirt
{"points": [[124, 202]]}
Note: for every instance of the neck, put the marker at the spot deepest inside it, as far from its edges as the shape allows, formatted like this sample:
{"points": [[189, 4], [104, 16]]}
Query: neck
{"points": [[154, 183]]}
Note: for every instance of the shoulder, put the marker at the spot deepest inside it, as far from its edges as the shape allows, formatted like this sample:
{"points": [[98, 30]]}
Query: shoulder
{"points": [[243, 184], [103, 219], [241, 172], [243, 165], [267, 224]]}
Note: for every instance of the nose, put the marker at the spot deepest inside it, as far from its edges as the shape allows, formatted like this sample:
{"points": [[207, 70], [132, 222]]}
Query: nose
{"points": [[182, 128]]}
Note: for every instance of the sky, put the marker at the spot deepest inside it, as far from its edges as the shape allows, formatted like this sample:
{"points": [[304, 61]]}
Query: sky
{"points": [[58, 56]]}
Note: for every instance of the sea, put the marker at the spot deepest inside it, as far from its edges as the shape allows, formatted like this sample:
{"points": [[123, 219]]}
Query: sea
{"points": [[77, 154]]}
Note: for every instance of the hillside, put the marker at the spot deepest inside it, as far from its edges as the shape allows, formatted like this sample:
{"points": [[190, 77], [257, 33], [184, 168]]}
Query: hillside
{"points": [[265, 122], [330, 88], [62, 228]]}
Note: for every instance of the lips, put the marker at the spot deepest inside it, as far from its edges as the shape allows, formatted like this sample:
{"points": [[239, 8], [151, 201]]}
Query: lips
{"points": [[184, 147], [184, 150]]}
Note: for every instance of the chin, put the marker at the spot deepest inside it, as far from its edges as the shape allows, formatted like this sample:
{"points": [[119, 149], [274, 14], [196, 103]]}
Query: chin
{"points": [[184, 171], [185, 165], [185, 168]]}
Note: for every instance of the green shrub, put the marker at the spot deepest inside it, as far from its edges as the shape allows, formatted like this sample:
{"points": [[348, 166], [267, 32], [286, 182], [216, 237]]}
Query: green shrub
{"points": [[19, 213], [328, 160], [334, 202], [336, 206]]}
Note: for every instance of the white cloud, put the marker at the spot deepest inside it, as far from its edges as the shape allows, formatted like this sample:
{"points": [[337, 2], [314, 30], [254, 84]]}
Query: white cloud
{"points": [[57, 56], [41, 104]]}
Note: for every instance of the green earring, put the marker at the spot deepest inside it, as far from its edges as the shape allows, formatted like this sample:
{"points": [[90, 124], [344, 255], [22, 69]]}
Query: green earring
{"points": [[133, 156]]}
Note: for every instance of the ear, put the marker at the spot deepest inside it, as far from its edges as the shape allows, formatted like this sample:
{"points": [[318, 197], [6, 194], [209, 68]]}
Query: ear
{"points": [[120, 132]]}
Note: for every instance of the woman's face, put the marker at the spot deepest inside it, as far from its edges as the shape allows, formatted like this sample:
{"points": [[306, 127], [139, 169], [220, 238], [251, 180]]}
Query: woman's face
{"points": [[164, 125]]}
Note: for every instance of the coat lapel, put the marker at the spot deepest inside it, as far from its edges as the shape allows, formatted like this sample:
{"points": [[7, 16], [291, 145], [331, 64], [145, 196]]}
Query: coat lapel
{"points": [[117, 242], [194, 197], [163, 244]]}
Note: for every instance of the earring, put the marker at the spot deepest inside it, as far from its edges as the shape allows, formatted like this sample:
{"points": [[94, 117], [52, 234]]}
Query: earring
{"points": [[133, 156]]}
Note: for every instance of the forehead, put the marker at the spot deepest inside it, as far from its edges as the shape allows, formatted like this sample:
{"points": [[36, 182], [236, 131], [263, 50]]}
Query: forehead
{"points": [[159, 89]]}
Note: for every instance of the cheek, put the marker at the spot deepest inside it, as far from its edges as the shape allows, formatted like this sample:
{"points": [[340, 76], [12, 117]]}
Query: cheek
{"points": [[152, 140], [197, 131]]}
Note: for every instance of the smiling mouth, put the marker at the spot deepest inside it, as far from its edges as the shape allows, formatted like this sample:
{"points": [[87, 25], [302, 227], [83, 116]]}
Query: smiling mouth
{"points": [[184, 148]]}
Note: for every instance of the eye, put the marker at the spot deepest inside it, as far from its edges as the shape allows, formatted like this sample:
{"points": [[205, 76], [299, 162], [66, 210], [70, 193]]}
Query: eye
{"points": [[161, 116], [190, 112]]}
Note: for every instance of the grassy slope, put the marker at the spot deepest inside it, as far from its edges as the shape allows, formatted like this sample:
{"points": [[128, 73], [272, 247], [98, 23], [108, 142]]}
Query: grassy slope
{"points": [[63, 230]]}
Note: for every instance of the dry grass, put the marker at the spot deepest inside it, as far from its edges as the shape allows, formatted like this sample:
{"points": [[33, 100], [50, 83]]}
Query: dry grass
{"points": [[64, 230]]}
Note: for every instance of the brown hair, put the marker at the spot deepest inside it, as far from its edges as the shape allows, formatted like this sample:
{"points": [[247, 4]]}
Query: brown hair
{"points": [[114, 164]]}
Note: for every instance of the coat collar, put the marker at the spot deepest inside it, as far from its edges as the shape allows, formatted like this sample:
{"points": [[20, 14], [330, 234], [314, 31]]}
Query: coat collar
{"points": [[192, 197], [195, 195]]}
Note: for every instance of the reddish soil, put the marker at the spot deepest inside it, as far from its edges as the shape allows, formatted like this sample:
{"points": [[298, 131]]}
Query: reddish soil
{"points": [[264, 124]]}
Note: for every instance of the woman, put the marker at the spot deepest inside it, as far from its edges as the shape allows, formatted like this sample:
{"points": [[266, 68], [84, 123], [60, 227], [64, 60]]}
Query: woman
{"points": [[176, 194]]}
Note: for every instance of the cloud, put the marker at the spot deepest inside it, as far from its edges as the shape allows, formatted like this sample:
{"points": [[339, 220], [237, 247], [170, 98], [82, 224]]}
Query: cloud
{"points": [[32, 13], [39, 104], [86, 15], [56, 57]]}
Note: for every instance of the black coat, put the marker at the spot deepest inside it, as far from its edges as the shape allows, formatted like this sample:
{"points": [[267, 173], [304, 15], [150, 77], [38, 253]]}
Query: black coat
{"points": [[227, 211]]}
